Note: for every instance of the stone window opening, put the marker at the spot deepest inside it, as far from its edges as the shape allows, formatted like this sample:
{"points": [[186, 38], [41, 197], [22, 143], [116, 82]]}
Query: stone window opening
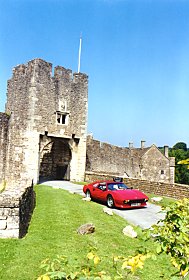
{"points": [[162, 172], [61, 118]]}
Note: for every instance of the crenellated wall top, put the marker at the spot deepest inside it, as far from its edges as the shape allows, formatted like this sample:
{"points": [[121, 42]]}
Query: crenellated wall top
{"points": [[40, 67]]}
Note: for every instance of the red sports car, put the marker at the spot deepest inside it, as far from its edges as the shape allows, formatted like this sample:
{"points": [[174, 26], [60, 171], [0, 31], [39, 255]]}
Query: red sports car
{"points": [[115, 194]]}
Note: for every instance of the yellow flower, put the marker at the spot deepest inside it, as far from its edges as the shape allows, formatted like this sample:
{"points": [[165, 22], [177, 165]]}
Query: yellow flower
{"points": [[184, 272], [45, 277], [133, 268], [140, 264], [131, 261], [174, 263], [90, 256], [85, 271], [124, 265], [96, 260], [115, 259]]}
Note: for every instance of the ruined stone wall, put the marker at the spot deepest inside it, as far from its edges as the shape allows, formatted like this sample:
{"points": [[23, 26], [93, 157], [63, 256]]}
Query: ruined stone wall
{"points": [[4, 121], [36, 100], [103, 157], [142, 163], [177, 191], [16, 208], [17, 106]]}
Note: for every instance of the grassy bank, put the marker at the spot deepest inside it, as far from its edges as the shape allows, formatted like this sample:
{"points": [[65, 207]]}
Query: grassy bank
{"points": [[53, 230], [165, 202]]}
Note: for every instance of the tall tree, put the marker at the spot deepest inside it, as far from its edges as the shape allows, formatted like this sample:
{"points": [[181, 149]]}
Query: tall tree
{"points": [[181, 153], [180, 145]]}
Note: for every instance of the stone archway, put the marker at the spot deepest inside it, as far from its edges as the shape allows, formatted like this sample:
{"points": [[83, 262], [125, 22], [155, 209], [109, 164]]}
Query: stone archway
{"points": [[55, 157]]}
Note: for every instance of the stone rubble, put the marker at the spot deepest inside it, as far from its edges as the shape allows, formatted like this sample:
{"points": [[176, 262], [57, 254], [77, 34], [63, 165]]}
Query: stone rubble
{"points": [[108, 211], [86, 229], [130, 232]]}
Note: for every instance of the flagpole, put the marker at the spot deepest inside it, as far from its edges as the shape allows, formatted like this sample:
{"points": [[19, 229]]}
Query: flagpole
{"points": [[79, 59]]}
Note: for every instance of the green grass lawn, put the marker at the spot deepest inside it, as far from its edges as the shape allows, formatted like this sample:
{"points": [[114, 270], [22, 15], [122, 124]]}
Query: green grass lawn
{"points": [[165, 202], [53, 230]]}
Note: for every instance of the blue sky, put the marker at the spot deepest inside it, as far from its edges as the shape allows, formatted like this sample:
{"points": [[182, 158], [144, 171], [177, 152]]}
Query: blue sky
{"points": [[136, 53]]}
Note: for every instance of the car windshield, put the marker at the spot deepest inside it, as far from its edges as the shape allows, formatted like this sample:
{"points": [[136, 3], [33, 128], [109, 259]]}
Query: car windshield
{"points": [[117, 186]]}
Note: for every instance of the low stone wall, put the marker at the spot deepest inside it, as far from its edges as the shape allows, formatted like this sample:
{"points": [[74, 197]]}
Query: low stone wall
{"points": [[16, 208], [177, 191]]}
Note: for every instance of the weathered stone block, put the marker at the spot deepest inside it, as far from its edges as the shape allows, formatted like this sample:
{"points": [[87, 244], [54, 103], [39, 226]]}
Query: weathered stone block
{"points": [[13, 222], [14, 212], [11, 233], [3, 217], [3, 224]]}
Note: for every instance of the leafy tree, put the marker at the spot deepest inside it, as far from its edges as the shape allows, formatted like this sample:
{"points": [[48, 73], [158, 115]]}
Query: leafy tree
{"points": [[180, 145], [180, 152]]}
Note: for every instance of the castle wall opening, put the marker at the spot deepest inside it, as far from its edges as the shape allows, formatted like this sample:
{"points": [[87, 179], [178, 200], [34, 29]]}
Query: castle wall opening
{"points": [[55, 157]]}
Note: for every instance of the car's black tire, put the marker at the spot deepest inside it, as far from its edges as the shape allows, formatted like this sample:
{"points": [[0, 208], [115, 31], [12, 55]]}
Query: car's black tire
{"points": [[88, 194], [110, 201]]}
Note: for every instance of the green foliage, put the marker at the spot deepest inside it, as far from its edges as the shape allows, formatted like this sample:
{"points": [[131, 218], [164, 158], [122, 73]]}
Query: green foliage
{"points": [[180, 152], [61, 269], [8, 114], [172, 236], [181, 146]]}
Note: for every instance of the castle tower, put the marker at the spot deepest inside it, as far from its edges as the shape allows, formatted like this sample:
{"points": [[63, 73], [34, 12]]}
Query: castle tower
{"points": [[47, 123]]}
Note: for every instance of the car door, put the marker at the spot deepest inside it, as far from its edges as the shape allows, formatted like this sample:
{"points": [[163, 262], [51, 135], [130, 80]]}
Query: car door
{"points": [[101, 191]]}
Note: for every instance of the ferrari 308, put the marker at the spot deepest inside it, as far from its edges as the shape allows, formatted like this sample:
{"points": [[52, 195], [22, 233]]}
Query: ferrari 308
{"points": [[115, 194]]}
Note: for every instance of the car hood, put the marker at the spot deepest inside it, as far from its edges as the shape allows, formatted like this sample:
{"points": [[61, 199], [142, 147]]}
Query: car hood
{"points": [[129, 194]]}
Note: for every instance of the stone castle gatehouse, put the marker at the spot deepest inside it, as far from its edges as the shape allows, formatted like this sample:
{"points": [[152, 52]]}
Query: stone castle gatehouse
{"points": [[43, 130], [43, 133]]}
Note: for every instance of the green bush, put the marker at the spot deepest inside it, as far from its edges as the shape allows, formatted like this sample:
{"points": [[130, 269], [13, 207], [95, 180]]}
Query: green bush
{"points": [[61, 268], [172, 235]]}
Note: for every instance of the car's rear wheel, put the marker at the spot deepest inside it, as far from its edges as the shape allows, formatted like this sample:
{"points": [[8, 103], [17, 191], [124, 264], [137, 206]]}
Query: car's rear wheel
{"points": [[88, 194], [110, 201]]}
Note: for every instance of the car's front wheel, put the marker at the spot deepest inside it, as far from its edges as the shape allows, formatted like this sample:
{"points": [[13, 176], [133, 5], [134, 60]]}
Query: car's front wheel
{"points": [[110, 201], [88, 194]]}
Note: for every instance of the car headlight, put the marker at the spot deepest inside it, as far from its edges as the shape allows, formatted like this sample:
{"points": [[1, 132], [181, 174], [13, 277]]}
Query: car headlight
{"points": [[126, 201]]}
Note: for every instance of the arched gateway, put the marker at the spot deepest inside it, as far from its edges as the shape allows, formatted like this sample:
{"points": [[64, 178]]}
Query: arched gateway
{"points": [[55, 158]]}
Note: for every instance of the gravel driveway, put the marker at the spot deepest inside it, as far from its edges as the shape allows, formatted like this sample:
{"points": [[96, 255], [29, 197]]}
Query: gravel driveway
{"points": [[144, 217]]}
